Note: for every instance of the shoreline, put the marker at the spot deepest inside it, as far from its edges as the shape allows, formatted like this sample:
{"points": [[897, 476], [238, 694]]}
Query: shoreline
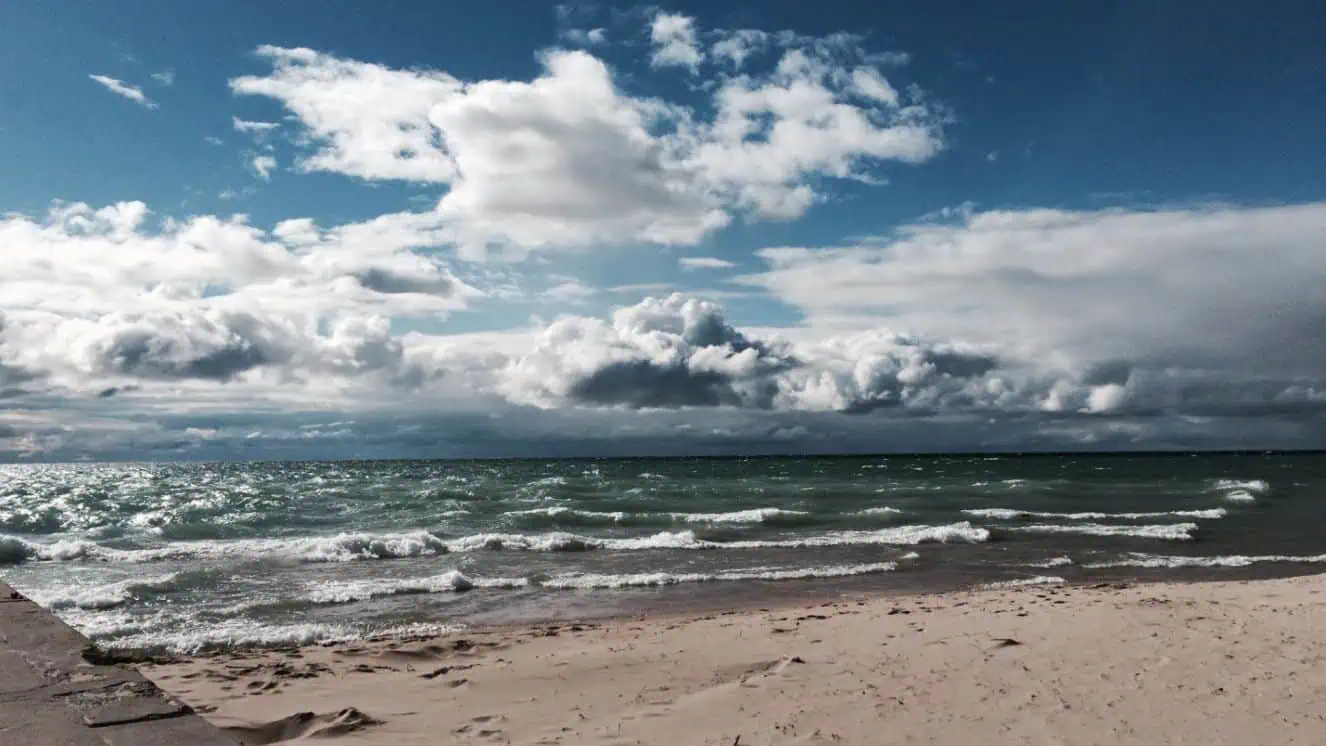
{"points": [[1156, 661]]}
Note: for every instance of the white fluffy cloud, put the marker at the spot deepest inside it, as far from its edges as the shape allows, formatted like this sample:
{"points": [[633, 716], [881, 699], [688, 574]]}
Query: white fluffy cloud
{"points": [[1165, 306], [570, 160], [96, 298], [675, 42], [371, 121], [126, 90]]}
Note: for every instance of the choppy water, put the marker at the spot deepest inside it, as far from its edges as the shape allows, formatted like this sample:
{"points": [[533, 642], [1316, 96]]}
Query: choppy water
{"points": [[193, 556]]}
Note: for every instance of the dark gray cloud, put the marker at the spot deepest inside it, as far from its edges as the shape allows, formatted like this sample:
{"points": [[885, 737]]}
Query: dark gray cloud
{"points": [[382, 280]]}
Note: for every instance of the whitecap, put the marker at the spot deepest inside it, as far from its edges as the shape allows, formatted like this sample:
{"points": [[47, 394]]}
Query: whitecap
{"points": [[1008, 514], [583, 581], [1233, 560], [101, 595], [1052, 562], [953, 533], [347, 591], [1167, 531], [754, 515]]}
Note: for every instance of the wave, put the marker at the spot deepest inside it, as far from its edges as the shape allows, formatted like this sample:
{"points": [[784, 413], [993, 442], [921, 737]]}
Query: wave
{"points": [[344, 547], [885, 510], [1167, 531], [1052, 562], [104, 596], [1234, 560], [585, 581], [231, 634], [1023, 583], [572, 514], [575, 516], [347, 591], [563, 542], [754, 515], [1008, 514], [1242, 490]]}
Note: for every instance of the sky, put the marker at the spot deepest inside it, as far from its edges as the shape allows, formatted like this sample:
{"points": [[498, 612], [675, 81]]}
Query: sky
{"points": [[525, 229]]}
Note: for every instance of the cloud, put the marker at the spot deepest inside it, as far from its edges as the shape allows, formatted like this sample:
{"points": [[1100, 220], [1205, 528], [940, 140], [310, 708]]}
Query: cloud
{"points": [[253, 127], [370, 121], [212, 140], [680, 352], [103, 298], [120, 88], [585, 37], [569, 291], [262, 166], [737, 45], [704, 262], [568, 160], [165, 77], [1199, 309], [675, 42]]}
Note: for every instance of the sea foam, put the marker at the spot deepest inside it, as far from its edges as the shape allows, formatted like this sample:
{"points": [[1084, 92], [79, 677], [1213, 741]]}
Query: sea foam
{"points": [[1023, 583], [454, 581], [1167, 531], [609, 581], [1008, 514], [1234, 560]]}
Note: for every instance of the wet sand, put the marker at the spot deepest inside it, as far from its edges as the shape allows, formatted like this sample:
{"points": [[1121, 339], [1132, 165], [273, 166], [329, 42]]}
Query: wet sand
{"points": [[1212, 663]]}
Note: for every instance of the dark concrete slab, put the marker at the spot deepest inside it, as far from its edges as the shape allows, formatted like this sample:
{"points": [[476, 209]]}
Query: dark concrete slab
{"points": [[190, 731], [16, 675], [47, 724], [56, 690]]}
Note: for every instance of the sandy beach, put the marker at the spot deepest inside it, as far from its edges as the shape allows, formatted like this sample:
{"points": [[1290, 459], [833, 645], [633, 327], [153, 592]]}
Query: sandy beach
{"points": [[1209, 663]]}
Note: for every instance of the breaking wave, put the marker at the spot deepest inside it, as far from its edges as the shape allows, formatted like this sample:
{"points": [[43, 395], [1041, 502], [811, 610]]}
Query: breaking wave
{"points": [[1242, 490], [584, 581], [347, 591], [1234, 560], [1008, 514], [1166, 531]]}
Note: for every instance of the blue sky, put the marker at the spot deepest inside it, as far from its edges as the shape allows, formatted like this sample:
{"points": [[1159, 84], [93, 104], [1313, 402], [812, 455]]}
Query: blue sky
{"points": [[937, 226]]}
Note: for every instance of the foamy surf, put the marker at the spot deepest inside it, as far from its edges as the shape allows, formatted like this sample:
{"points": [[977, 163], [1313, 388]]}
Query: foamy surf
{"points": [[1052, 562], [587, 581], [952, 533], [454, 581], [1165, 531], [100, 596], [234, 634], [344, 547], [1009, 514], [1173, 562], [1242, 490], [1004, 585]]}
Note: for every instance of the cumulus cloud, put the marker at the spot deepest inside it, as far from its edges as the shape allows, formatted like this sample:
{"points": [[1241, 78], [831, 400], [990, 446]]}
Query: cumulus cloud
{"points": [[1173, 309], [165, 77], [370, 121], [680, 352], [570, 160], [98, 298], [675, 42], [126, 90]]}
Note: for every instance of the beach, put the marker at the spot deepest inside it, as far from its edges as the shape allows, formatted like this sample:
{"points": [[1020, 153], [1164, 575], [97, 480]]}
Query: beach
{"points": [[1229, 662]]}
